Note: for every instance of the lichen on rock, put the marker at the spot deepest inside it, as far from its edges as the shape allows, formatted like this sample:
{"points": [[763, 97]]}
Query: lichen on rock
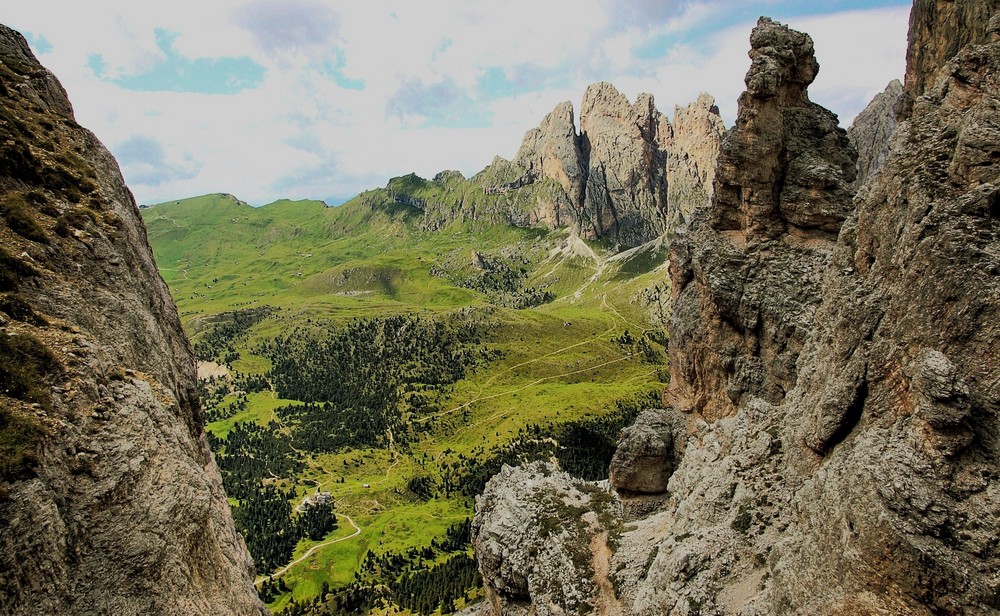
{"points": [[116, 505]]}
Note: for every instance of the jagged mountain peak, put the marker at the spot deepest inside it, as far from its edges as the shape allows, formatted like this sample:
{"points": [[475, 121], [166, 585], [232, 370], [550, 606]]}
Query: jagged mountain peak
{"points": [[628, 174], [626, 177], [783, 63]]}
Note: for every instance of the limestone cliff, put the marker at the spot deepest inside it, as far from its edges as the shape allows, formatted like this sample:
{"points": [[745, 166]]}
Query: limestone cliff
{"points": [[110, 501], [628, 177], [626, 191], [553, 151], [871, 132], [692, 155], [834, 381]]}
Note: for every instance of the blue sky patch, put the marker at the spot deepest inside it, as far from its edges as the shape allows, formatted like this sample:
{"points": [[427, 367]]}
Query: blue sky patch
{"points": [[495, 84], [498, 82], [200, 75], [39, 44], [660, 46], [335, 70], [96, 63]]}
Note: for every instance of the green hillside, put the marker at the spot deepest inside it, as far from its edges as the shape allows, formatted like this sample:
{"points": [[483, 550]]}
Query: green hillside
{"points": [[395, 359]]}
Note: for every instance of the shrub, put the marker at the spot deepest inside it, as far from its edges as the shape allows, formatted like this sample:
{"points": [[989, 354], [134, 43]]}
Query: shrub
{"points": [[26, 365], [18, 215], [16, 307]]}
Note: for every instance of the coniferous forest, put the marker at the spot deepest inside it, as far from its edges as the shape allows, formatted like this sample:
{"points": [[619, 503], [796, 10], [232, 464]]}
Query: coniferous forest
{"points": [[309, 400], [421, 580]]}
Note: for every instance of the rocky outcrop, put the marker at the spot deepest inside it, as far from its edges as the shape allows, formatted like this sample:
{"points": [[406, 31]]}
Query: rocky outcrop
{"points": [[842, 429], [542, 541], [645, 457], [938, 31], [110, 500], [692, 155], [746, 277], [871, 132], [626, 190]]}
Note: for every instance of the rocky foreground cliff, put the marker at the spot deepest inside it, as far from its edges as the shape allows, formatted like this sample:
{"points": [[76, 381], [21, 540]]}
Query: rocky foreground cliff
{"points": [[831, 439], [110, 502]]}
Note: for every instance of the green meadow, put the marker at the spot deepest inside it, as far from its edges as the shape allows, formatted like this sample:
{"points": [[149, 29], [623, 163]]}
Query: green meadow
{"points": [[563, 359]]}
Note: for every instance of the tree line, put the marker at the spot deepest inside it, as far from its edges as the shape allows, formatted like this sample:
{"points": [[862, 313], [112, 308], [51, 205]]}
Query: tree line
{"points": [[421, 580], [271, 530], [218, 344], [362, 380], [583, 447]]}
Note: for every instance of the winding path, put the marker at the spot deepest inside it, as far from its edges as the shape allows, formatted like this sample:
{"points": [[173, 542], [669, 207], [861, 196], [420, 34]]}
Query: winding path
{"points": [[310, 551]]}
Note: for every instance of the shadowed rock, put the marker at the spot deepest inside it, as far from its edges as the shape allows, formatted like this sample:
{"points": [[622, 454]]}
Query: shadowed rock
{"points": [[645, 457], [871, 132], [115, 505]]}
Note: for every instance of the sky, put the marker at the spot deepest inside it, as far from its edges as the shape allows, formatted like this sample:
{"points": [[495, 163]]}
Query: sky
{"points": [[269, 99]]}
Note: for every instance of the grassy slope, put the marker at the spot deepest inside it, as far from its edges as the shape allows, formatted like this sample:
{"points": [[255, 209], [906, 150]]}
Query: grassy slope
{"points": [[559, 363]]}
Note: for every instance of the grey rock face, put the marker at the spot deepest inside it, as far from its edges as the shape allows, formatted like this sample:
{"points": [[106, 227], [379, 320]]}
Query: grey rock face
{"points": [[542, 541], [553, 151], [938, 31], [871, 132], [626, 191], [645, 457], [692, 155], [915, 341], [119, 508], [746, 277], [868, 486]]}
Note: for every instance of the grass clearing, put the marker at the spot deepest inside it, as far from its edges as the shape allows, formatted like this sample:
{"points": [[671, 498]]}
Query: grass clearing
{"points": [[319, 266]]}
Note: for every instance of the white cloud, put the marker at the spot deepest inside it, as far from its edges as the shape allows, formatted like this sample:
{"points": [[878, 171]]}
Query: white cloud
{"points": [[427, 68], [853, 69]]}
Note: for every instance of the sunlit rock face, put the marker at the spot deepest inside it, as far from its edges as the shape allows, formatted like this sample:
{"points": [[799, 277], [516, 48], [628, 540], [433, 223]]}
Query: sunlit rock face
{"points": [[111, 502], [629, 175], [834, 389]]}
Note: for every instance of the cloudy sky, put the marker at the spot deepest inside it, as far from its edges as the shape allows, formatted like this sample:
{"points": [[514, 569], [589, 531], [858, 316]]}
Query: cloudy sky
{"points": [[271, 99]]}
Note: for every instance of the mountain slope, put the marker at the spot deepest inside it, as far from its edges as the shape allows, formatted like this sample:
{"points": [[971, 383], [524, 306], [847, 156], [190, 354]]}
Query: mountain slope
{"points": [[110, 499], [494, 344]]}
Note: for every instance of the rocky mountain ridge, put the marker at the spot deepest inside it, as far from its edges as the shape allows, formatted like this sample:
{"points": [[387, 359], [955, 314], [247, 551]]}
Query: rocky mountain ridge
{"points": [[831, 430], [110, 501], [628, 177]]}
